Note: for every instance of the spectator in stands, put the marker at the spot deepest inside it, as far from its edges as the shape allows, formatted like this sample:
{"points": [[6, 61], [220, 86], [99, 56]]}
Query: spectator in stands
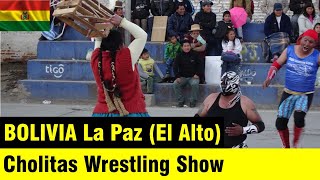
{"points": [[207, 21], [198, 44], [267, 6], [173, 47], [297, 7], [277, 29], [115, 72], [222, 28], [159, 8], [277, 21], [308, 19], [118, 8], [57, 27], [246, 4], [140, 12], [146, 68], [230, 56], [188, 4], [162, 7], [179, 22], [317, 29], [186, 69]]}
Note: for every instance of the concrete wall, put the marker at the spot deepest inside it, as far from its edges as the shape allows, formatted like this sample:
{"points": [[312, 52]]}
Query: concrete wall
{"points": [[19, 45]]}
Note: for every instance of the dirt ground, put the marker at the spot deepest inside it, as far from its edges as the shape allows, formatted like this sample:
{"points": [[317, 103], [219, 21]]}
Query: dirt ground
{"points": [[11, 73], [12, 92]]}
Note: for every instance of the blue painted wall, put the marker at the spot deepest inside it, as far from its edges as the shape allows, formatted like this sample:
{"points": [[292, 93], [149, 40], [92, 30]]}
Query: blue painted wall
{"points": [[253, 32], [59, 70], [72, 34], [251, 52], [254, 92], [65, 50], [81, 71], [254, 72], [164, 94], [156, 50], [66, 90]]}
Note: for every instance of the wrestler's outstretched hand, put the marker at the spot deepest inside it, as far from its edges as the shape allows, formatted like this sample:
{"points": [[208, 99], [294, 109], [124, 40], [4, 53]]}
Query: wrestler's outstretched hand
{"points": [[266, 83], [237, 130], [116, 20]]}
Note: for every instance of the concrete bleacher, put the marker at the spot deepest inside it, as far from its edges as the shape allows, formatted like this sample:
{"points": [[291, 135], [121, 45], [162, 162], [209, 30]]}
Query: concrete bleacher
{"points": [[61, 71]]}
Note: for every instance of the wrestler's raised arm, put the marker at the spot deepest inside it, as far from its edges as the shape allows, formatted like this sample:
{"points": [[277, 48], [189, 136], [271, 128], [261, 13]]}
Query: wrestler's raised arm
{"points": [[137, 45], [276, 65]]}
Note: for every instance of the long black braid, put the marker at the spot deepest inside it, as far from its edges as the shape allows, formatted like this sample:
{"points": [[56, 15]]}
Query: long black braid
{"points": [[112, 43]]}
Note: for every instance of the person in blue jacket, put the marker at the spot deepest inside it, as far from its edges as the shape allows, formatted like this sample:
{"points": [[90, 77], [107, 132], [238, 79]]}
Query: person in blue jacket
{"points": [[188, 4]]}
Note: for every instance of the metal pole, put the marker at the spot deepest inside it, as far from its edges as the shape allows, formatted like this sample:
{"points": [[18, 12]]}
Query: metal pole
{"points": [[127, 36]]}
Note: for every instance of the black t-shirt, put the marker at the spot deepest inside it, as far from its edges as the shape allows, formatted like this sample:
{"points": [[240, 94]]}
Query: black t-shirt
{"points": [[234, 114]]}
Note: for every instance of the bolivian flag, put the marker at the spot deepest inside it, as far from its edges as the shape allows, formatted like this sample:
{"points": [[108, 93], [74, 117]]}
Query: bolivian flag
{"points": [[24, 15]]}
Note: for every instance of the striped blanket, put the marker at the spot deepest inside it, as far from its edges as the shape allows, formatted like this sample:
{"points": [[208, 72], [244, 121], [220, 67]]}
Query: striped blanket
{"points": [[275, 44]]}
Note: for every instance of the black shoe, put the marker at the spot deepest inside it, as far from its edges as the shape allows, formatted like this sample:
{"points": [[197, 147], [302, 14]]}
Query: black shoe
{"points": [[164, 80], [180, 104], [59, 39], [42, 38], [171, 80], [167, 76], [193, 104]]}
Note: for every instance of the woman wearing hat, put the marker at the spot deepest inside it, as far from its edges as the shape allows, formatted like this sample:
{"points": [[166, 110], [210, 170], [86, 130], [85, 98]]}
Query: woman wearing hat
{"points": [[198, 44], [302, 62], [116, 75], [118, 8]]}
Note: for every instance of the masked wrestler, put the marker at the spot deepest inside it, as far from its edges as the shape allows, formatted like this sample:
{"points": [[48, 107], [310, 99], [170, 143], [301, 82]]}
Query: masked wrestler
{"points": [[236, 109]]}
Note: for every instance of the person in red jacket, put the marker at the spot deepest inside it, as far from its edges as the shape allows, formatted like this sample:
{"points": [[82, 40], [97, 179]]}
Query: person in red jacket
{"points": [[116, 74]]}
